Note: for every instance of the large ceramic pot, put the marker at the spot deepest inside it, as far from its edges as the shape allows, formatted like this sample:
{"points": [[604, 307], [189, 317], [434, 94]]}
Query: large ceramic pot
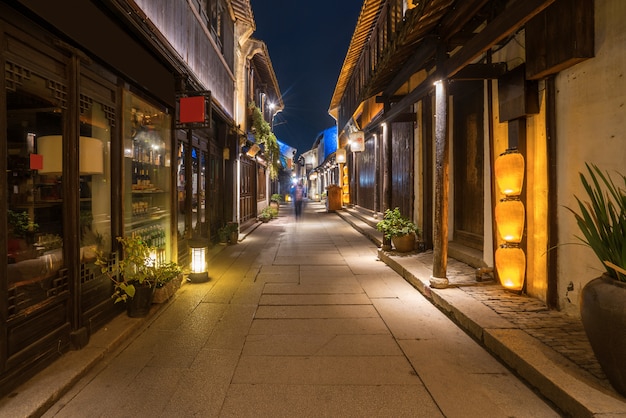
{"points": [[404, 243], [603, 313], [139, 305]]}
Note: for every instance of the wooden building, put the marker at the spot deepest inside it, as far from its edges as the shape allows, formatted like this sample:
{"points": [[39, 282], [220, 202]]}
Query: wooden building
{"points": [[439, 89], [94, 147]]}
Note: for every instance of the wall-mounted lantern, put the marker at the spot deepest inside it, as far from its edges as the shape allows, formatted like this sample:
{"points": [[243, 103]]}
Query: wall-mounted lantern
{"points": [[509, 171], [511, 266], [510, 218], [340, 155]]}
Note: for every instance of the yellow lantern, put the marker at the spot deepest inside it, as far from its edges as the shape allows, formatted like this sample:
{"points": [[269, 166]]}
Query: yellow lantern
{"points": [[198, 254], [509, 172], [511, 267], [510, 216]]}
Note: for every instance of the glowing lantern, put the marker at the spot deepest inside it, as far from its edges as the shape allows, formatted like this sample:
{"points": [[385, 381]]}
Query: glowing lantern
{"points": [[509, 171], [511, 267], [341, 155], [198, 255], [510, 216]]}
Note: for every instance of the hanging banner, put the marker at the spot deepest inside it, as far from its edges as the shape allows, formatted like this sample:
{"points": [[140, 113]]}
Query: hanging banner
{"points": [[357, 141]]}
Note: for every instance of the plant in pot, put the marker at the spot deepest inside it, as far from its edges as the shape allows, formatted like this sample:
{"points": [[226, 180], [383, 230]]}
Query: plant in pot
{"points": [[276, 200], [168, 280], [136, 276], [266, 214], [229, 233], [399, 229], [602, 221]]}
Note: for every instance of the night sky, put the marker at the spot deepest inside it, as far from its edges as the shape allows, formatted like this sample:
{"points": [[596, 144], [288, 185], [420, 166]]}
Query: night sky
{"points": [[307, 43]]}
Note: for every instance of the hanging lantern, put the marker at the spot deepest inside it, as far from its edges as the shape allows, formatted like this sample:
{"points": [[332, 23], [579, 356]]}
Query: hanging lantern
{"points": [[340, 155], [511, 267], [509, 172], [198, 254], [510, 216]]}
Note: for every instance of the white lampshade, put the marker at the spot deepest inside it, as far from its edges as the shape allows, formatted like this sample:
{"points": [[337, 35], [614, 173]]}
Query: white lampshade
{"points": [[341, 155], [91, 156]]}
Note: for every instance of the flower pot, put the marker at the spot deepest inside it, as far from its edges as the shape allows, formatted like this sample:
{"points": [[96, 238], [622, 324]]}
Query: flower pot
{"points": [[404, 243], [163, 293], [603, 313], [139, 305]]}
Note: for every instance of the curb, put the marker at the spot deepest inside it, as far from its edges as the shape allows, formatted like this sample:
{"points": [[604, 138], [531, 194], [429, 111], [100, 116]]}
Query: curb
{"points": [[552, 375]]}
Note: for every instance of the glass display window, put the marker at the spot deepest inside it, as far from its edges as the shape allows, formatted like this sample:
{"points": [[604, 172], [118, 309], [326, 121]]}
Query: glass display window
{"points": [[34, 189], [147, 174]]}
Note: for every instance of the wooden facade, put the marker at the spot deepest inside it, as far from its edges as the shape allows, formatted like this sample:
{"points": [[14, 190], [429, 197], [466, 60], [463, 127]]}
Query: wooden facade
{"points": [[494, 62], [65, 81]]}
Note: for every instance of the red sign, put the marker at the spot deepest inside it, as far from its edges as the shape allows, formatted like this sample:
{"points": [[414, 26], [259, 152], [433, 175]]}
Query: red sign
{"points": [[36, 162], [192, 109]]}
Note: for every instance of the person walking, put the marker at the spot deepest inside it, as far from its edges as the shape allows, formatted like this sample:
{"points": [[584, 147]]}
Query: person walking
{"points": [[298, 196]]}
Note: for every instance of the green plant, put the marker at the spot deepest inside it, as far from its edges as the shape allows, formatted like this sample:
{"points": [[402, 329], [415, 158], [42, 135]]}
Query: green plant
{"points": [[395, 225], [21, 224], [602, 220], [227, 230], [135, 269], [264, 136], [278, 198], [267, 214]]}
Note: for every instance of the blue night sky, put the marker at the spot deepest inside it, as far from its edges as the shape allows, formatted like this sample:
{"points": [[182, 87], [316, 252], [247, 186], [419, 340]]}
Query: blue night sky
{"points": [[307, 43]]}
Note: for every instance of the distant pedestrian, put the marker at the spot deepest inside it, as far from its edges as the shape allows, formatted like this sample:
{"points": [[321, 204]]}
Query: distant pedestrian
{"points": [[298, 196]]}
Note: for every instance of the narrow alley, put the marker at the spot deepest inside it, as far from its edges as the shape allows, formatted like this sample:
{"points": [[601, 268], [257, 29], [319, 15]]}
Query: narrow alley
{"points": [[300, 319]]}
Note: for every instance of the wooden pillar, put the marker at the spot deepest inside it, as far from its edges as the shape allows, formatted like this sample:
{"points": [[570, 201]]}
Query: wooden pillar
{"points": [[387, 171], [442, 162]]}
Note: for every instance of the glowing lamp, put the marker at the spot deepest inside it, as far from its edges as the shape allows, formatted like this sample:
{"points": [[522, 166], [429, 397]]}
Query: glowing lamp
{"points": [[313, 176], [90, 158], [198, 254], [509, 172], [510, 215], [511, 267], [340, 155]]}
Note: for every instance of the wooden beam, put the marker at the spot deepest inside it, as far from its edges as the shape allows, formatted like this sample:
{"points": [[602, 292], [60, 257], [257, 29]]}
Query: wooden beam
{"points": [[481, 71], [503, 25], [464, 11], [424, 52]]}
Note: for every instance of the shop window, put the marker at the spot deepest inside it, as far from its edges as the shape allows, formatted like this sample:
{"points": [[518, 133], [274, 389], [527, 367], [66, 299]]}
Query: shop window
{"points": [[147, 171], [95, 180], [34, 188]]}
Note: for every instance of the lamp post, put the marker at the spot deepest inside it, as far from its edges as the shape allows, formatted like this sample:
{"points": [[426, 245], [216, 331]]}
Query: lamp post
{"points": [[198, 254]]}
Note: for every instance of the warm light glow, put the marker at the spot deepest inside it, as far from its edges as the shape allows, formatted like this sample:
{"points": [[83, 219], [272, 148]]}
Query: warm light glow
{"points": [[340, 155], [510, 217], [198, 260], [198, 255], [511, 267], [509, 172], [91, 154], [313, 176]]}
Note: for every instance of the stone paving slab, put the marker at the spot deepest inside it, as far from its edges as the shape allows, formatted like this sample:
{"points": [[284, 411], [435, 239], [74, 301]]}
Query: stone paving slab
{"points": [[316, 311], [306, 401]]}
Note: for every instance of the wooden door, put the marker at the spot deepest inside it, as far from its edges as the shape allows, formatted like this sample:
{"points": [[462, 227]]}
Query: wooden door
{"points": [[467, 140]]}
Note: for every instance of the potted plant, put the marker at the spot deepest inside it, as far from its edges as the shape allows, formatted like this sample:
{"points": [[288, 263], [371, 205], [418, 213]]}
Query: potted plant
{"points": [[136, 275], [168, 281], [602, 221], [229, 233], [266, 214], [399, 229], [276, 200]]}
